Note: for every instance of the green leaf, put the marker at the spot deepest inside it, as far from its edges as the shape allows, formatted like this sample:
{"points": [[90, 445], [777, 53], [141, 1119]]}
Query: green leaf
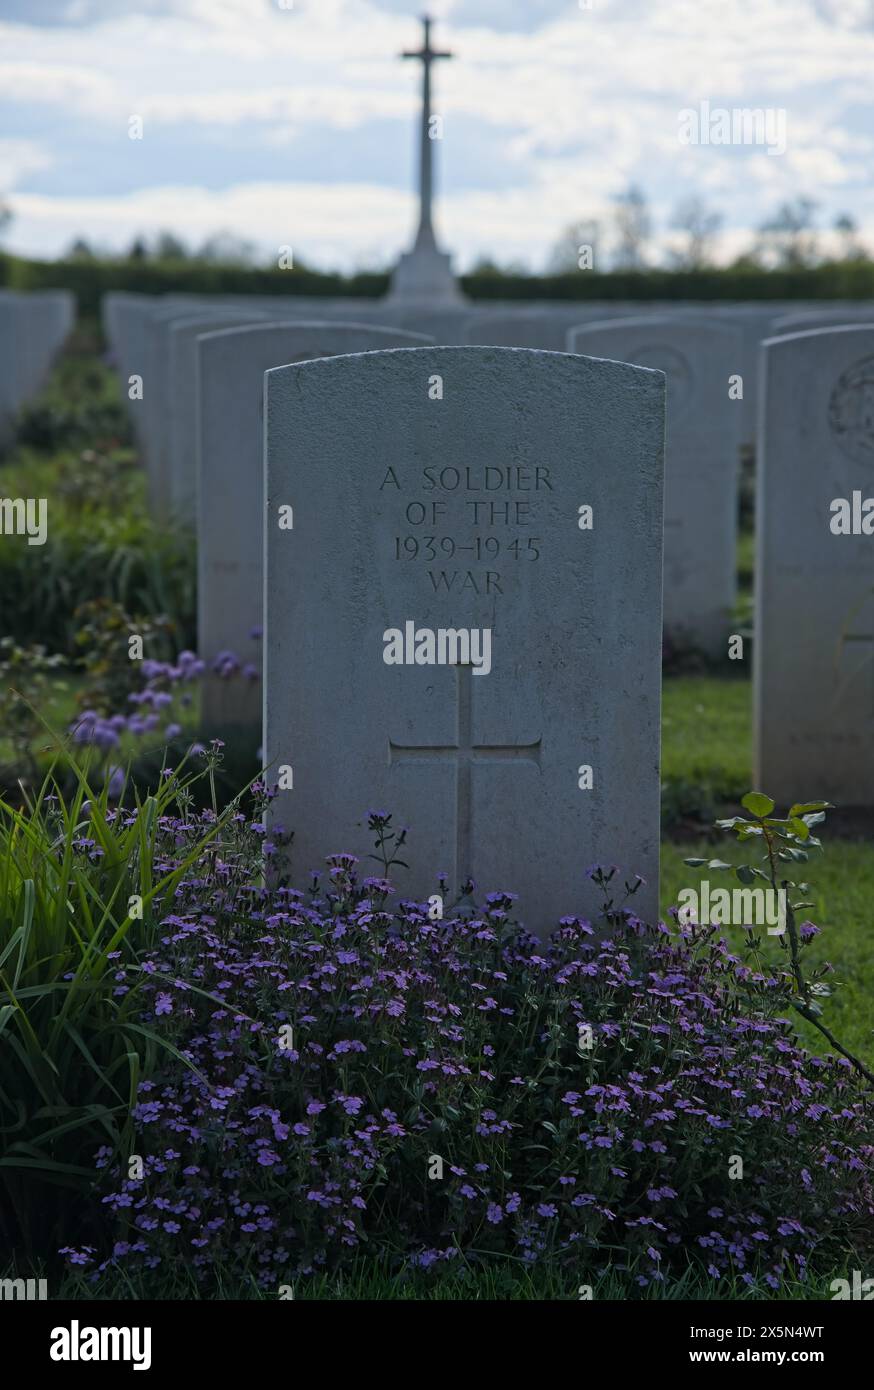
{"points": [[745, 873], [805, 807], [719, 864], [799, 828], [757, 804], [695, 863]]}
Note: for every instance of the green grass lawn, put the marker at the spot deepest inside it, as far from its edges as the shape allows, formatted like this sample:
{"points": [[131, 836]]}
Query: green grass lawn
{"points": [[465, 1281], [707, 733], [841, 879]]}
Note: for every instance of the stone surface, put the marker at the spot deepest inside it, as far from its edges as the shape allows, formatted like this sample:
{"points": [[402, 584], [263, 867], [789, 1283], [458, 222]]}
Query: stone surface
{"points": [[181, 403], [11, 383], [829, 316], [814, 648], [396, 520], [33, 329], [546, 329], [230, 531], [697, 356], [424, 276]]}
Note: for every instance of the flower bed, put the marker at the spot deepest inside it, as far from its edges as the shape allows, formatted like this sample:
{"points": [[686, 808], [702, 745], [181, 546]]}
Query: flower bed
{"points": [[359, 1078]]}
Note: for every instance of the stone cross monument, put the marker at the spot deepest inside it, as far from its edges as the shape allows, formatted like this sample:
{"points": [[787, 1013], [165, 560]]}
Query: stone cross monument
{"points": [[424, 274]]}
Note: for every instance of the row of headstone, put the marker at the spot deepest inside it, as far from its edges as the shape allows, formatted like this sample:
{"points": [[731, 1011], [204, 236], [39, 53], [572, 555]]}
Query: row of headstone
{"points": [[230, 515], [700, 354], [138, 327], [33, 328], [389, 513], [154, 343], [540, 749]]}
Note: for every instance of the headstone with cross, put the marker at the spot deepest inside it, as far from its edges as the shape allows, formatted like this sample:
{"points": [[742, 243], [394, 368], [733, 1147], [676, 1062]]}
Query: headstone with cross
{"points": [[814, 622], [495, 510], [702, 458]]}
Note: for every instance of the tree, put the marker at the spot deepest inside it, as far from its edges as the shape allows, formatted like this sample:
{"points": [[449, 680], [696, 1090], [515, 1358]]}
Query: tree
{"points": [[851, 248], [80, 250], [788, 239], [169, 247], [700, 225], [567, 252], [225, 248], [633, 228]]}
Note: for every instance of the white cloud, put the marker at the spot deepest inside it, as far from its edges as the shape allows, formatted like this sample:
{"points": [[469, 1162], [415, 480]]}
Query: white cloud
{"points": [[549, 109], [18, 158]]}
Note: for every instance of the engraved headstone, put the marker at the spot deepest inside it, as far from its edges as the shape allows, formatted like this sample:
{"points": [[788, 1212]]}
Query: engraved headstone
{"points": [[230, 515], [814, 647], [451, 635], [698, 357]]}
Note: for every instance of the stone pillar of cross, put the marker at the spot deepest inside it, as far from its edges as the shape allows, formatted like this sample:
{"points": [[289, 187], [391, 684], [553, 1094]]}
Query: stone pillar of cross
{"points": [[424, 274], [427, 56]]}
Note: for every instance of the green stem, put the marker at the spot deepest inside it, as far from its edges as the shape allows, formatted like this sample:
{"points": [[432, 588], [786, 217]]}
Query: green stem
{"points": [[812, 1018]]}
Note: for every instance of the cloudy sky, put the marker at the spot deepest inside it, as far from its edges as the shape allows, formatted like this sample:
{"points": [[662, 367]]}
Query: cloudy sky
{"points": [[291, 122]]}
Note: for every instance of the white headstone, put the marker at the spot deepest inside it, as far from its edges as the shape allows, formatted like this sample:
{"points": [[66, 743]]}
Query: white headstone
{"points": [[829, 316], [33, 329], [181, 403], [11, 365], [814, 635], [698, 358], [546, 329], [230, 515], [439, 498]]}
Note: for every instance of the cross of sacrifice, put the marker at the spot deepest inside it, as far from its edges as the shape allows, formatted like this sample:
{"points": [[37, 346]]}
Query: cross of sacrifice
{"points": [[427, 56]]}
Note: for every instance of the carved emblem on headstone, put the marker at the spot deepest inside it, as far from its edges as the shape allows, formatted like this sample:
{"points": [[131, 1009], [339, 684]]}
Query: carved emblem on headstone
{"points": [[851, 411]]}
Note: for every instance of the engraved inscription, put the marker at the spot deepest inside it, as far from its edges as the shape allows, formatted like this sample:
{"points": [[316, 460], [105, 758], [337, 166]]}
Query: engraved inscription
{"points": [[471, 532]]}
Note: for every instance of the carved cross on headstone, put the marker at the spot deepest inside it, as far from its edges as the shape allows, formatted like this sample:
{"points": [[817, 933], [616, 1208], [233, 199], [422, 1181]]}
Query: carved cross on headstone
{"points": [[465, 754], [857, 653], [426, 55]]}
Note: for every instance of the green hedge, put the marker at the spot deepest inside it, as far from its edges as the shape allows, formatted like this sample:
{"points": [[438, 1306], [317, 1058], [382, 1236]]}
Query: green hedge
{"points": [[90, 280]]}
